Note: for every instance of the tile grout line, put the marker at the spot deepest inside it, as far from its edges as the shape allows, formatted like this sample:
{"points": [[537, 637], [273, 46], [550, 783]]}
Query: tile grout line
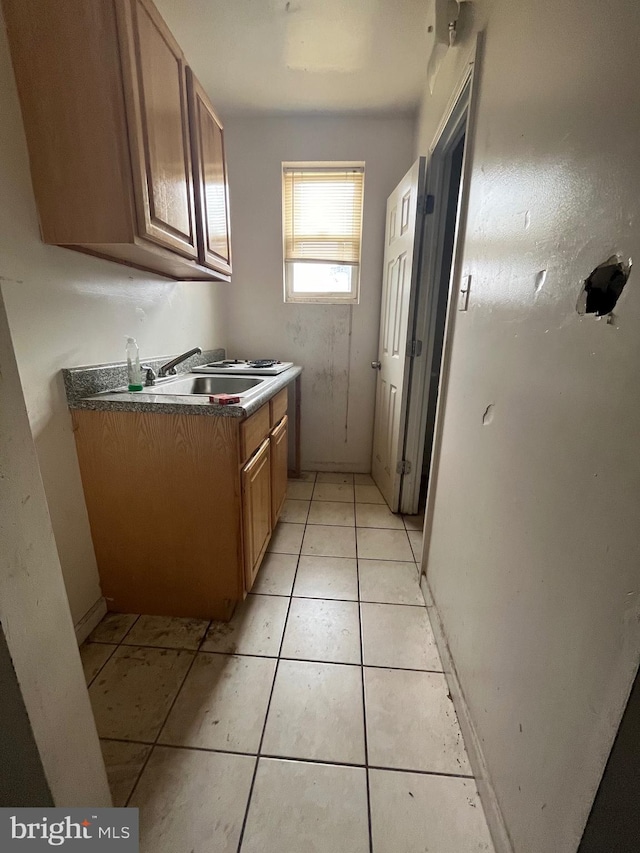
{"points": [[166, 717], [364, 703], [273, 684], [359, 602], [343, 527], [297, 759], [325, 598], [129, 629], [322, 762], [283, 657], [105, 643], [102, 666]]}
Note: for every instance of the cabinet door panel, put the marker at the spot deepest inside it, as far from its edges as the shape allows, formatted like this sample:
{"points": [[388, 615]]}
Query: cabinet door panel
{"points": [[279, 447], [256, 510], [210, 179], [159, 134]]}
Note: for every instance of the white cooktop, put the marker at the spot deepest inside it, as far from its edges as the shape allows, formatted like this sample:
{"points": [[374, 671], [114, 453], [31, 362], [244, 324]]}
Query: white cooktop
{"points": [[257, 367]]}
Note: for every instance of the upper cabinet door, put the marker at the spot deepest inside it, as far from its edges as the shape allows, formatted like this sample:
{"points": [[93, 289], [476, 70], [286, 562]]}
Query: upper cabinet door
{"points": [[155, 91], [210, 178]]}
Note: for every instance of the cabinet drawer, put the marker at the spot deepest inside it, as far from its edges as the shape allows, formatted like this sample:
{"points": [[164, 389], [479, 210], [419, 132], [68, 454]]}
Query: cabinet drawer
{"points": [[253, 431], [278, 406]]}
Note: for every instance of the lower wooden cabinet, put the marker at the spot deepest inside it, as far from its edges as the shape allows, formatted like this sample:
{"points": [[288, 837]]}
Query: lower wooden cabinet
{"points": [[257, 516], [181, 507], [279, 447]]}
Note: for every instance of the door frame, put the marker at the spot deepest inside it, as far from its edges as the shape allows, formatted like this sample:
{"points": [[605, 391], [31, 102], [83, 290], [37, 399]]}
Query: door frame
{"points": [[458, 120]]}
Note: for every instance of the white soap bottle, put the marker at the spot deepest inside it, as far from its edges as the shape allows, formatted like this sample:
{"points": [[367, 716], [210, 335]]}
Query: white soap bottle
{"points": [[134, 372]]}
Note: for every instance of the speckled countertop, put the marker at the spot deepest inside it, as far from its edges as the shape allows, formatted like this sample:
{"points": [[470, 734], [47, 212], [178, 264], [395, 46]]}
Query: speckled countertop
{"points": [[102, 388]]}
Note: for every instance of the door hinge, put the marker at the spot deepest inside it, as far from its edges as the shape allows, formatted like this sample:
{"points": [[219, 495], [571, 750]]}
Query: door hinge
{"points": [[414, 348], [426, 204], [403, 467]]}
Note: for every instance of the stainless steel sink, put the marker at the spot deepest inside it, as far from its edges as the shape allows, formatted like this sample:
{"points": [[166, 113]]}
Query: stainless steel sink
{"points": [[207, 385]]}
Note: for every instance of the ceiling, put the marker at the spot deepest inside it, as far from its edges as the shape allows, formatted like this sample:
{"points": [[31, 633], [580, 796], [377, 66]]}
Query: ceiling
{"points": [[334, 56]]}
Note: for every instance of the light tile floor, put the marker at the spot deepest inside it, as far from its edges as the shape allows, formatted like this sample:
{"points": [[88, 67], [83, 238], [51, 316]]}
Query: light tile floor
{"points": [[316, 721]]}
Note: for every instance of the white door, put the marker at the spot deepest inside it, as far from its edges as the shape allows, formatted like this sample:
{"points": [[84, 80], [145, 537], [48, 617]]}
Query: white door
{"points": [[401, 255]]}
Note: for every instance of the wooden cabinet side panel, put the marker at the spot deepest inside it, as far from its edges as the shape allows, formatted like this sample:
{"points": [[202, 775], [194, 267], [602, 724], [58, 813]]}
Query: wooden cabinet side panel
{"points": [[164, 504], [279, 459], [67, 67], [210, 179], [156, 97]]}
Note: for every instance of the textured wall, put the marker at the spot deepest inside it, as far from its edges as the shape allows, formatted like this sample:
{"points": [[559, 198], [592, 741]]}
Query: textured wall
{"points": [[534, 551], [335, 344]]}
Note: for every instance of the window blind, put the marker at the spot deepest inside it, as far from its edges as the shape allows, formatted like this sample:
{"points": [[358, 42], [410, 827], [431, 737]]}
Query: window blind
{"points": [[323, 214]]}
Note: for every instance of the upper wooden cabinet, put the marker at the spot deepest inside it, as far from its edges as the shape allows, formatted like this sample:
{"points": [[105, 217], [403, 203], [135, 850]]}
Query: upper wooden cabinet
{"points": [[111, 137], [210, 178], [156, 99]]}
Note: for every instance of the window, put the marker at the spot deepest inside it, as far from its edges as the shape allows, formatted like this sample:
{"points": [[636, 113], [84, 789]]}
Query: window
{"points": [[322, 225]]}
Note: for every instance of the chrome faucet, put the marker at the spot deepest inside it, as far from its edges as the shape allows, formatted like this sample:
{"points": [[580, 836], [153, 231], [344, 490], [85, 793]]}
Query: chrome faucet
{"points": [[169, 369]]}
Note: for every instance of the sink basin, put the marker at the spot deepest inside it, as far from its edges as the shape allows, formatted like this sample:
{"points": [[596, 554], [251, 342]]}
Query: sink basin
{"points": [[207, 385]]}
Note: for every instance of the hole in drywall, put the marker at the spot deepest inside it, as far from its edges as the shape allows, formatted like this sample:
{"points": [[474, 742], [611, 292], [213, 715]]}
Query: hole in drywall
{"points": [[539, 280], [488, 415], [603, 287]]}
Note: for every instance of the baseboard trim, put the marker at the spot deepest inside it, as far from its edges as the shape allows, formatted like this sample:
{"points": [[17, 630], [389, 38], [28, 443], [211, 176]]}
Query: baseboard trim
{"points": [[90, 619], [492, 811]]}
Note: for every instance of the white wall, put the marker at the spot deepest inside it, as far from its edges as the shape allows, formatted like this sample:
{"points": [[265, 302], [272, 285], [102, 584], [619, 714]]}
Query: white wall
{"points": [[533, 559], [335, 344], [35, 619], [68, 309]]}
